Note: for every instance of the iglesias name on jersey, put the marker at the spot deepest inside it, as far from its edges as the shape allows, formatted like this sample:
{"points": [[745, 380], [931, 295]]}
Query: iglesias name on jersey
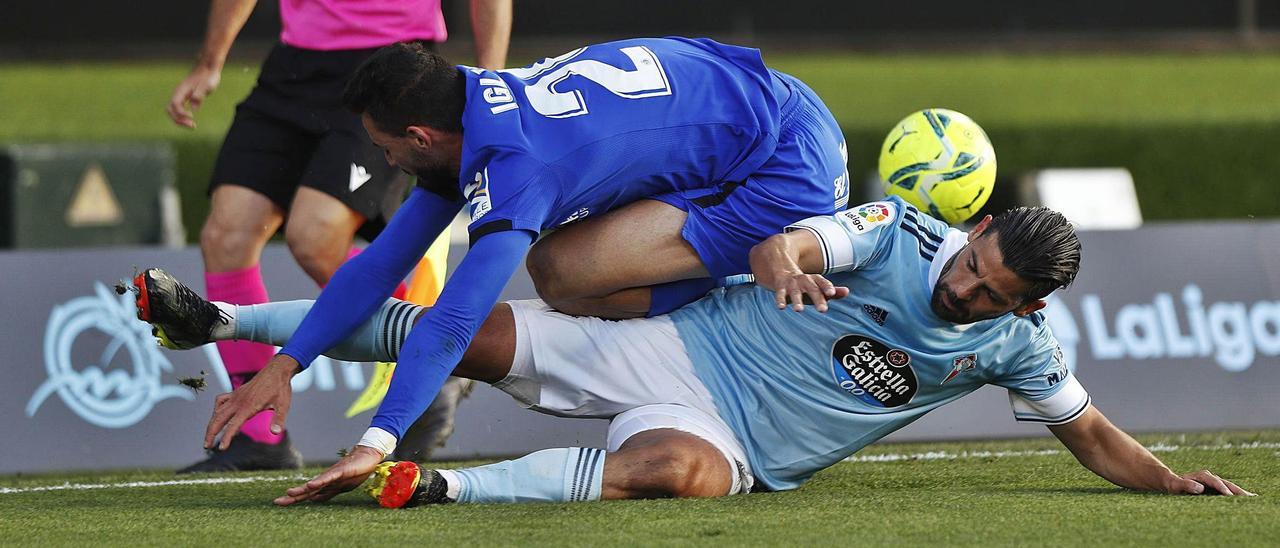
{"points": [[604, 125], [804, 391]]}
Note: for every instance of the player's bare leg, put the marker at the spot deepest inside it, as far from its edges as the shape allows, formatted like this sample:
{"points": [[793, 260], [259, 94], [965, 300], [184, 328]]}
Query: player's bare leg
{"points": [[319, 232], [604, 266], [666, 463]]}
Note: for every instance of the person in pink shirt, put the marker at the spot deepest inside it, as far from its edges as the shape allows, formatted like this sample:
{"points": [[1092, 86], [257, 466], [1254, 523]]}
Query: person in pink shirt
{"points": [[295, 158]]}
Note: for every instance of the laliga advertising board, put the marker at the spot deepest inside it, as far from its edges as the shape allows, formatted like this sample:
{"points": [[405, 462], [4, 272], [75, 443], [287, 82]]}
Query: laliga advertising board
{"points": [[1170, 327], [1173, 326]]}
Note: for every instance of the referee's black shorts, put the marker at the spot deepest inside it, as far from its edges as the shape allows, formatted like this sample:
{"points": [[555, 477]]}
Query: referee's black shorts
{"points": [[292, 131]]}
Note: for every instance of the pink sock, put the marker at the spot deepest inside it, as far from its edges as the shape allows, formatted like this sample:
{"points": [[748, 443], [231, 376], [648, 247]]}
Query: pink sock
{"points": [[242, 359], [401, 289]]}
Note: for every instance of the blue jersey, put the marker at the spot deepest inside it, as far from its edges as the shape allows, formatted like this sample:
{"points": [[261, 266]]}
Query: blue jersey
{"points": [[803, 391], [605, 125], [577, 135]]}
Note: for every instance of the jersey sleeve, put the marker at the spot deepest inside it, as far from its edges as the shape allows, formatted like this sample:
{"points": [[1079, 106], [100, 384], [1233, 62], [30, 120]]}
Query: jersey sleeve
{"points": [[438, 340], [512, 191], [363, 283], [1041, 387], [854, 238]]}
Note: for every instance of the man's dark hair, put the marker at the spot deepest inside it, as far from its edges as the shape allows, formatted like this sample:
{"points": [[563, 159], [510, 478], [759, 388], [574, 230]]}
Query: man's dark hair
{"points": [[404, 85], [1040, 246]]}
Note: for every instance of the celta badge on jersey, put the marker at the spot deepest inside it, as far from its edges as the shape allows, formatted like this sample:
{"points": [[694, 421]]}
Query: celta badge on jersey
{"points": [[962, 364], [863, 218], [874, 373], [477, 194]]}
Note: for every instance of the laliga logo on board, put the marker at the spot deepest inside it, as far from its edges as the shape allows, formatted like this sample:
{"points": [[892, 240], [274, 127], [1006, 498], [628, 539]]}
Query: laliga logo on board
{"points": [[110, 397], [1233, 334]]}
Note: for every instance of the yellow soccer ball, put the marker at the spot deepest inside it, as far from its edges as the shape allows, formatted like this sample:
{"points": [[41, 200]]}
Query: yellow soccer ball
{"points": [[941, 162]]}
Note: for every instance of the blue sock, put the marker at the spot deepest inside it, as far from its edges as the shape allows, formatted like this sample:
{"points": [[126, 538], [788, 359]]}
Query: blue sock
{"points": [[666, 297], [378, 339], [550, 475]]}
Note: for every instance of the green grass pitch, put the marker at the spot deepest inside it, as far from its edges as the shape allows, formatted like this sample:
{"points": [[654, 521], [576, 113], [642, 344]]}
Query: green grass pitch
{"points": [[113, 101], [1009, 495], [1025, 492]]}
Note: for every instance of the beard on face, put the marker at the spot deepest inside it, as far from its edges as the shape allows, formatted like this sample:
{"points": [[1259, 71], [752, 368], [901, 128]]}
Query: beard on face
{"points": [[424, 163], [939, 306], [935, 301], [434, 174]]}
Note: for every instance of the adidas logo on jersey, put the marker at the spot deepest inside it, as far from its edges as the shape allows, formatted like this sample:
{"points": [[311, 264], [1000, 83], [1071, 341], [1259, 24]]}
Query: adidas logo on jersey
{"points": [[879, 315]]}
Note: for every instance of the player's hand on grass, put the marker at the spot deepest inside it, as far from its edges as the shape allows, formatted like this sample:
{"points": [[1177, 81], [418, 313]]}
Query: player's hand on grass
{"points": [[1204, 482], [269, 389], [343, 476], [190, 94]]}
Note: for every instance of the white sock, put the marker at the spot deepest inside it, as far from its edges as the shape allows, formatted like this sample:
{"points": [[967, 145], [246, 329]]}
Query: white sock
{"points": [[227, 331], [450, 480]]}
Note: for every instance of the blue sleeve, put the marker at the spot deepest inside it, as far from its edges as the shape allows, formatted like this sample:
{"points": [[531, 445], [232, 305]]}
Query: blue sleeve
{"points": [[363, 283], [436, 344], [513, 191]]}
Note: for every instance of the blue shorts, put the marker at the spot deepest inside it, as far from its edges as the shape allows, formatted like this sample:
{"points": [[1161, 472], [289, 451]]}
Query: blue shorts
{"points": [[805, 177]]}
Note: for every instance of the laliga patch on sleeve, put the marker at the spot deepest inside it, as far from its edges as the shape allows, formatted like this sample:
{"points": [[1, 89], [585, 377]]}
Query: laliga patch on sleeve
{"points": [[863, 218], [477, 194]]}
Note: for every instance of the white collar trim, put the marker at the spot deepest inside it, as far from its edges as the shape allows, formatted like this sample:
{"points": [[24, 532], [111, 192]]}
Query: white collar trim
{"points": [[951, 244]]}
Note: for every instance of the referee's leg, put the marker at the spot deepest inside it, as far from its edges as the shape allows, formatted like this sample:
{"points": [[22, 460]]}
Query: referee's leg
{"points": [[319, 232], [240, 222]]}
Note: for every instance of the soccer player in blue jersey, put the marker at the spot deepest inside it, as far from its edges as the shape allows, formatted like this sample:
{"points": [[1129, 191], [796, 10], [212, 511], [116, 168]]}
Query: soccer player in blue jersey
{"points": [[658, 162], [731, 394]]}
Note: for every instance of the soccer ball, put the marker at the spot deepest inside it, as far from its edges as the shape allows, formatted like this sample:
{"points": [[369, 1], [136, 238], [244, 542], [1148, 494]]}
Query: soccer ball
{"points": [[941, 162]]}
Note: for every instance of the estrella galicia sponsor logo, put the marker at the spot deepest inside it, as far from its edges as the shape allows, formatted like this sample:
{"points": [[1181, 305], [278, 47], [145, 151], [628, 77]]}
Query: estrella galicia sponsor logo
{"points": [[874, 373], [120, 386]]}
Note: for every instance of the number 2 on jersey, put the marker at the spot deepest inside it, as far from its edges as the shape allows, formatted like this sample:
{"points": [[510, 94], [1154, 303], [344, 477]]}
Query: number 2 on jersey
{"points": [[646, 79]]}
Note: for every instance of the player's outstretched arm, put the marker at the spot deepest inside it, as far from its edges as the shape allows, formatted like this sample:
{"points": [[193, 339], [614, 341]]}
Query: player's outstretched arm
{"points": [[1119, 459], [354, 293], [790, 265]]}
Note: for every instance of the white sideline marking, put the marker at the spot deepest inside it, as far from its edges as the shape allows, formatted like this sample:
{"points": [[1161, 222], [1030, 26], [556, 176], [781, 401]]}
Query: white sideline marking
{"points": [[946, 455], [886, 457], [146, 484]]}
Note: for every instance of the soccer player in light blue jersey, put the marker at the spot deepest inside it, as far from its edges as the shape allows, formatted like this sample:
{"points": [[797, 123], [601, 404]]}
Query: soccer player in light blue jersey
{"points": [[657, 164], [738, 392]]}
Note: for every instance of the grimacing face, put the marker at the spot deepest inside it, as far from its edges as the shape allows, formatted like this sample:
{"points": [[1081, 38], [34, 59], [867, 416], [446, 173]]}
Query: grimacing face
{"points": [[975, 285]]}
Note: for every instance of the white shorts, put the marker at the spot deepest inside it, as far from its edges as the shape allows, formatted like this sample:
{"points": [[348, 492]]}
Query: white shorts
{"points": [[634, 372]]}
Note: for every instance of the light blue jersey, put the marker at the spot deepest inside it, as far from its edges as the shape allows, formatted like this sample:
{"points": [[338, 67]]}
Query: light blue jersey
{"points": [[803, 391]]}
